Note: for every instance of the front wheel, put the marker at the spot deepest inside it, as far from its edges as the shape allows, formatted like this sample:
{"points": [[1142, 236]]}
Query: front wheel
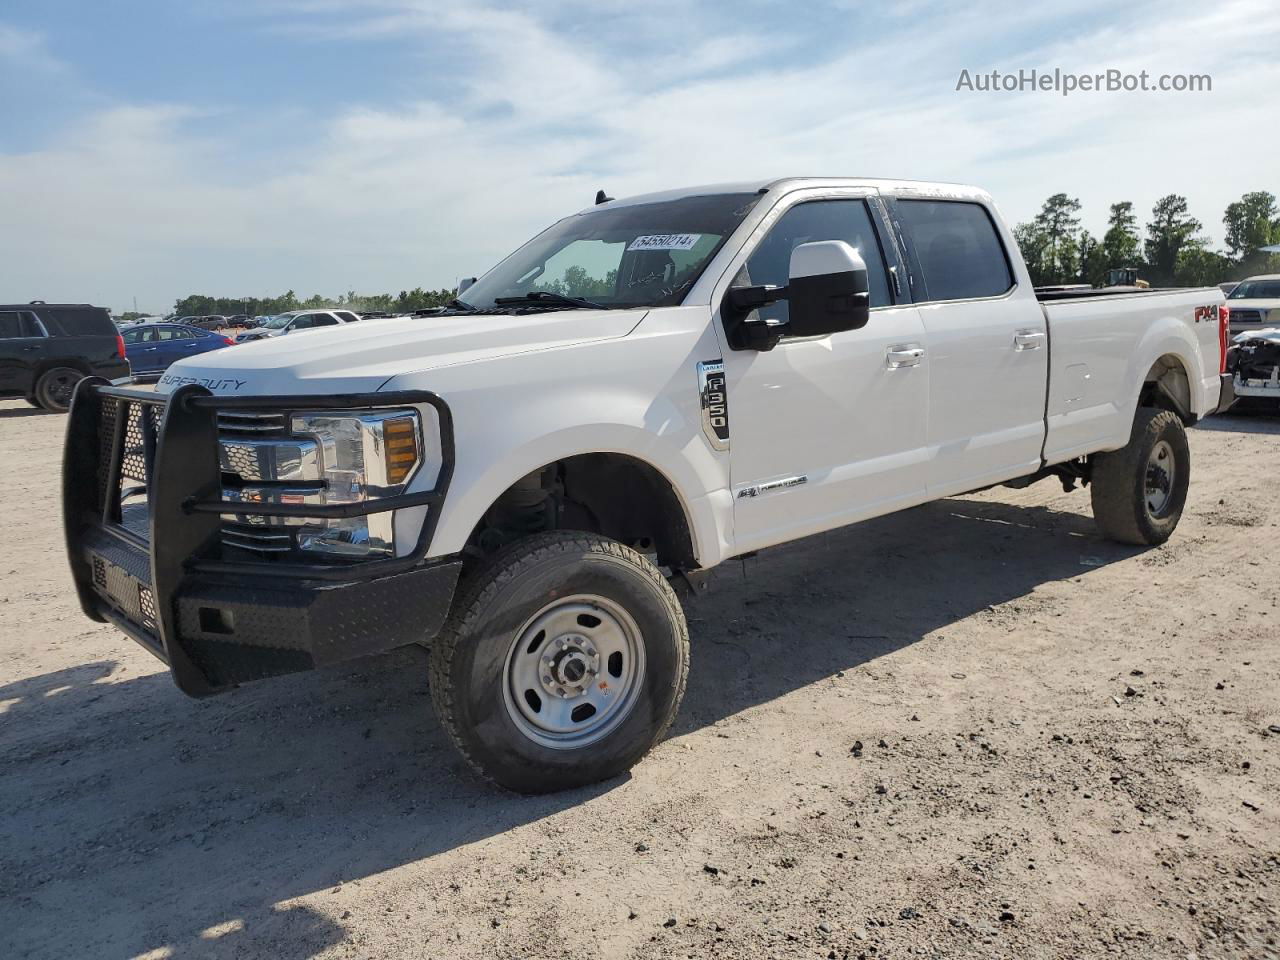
{"points": [[563, 662], [1139, 491]]}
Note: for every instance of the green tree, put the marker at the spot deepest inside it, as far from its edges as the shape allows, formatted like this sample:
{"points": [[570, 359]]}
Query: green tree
{"points": [[1170, 230], [1093, 260], [1033, 245], [1251, 222], [1058, 222], [1199, 266], [1120, 244]]}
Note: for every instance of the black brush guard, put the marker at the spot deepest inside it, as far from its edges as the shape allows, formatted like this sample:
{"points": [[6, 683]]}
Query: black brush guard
{"points": [[159, 573]]}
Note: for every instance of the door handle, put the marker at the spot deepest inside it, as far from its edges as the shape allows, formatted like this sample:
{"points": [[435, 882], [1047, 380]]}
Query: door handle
{"points": [[904, 355], [30, 349], [1028, 339]]}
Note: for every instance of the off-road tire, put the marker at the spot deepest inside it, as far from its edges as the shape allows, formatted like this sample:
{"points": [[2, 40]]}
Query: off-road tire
{"points": [[51, 388], [1118, 482], [469, 658]]}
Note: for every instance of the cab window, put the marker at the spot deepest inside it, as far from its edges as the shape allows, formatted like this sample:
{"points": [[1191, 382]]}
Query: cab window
{"points": [[957, 247], [846, 220]]}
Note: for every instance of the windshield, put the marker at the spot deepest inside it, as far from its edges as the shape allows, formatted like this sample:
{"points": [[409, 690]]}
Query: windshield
{"points": [[275, 323], [1257, 290], [641, 255]]}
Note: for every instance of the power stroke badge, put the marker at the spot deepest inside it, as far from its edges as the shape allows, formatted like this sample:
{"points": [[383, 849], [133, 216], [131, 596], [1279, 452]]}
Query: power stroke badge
{"points": [[715, 402]]}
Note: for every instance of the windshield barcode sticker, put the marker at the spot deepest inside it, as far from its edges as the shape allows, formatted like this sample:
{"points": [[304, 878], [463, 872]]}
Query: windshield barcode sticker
{"points": [[665, 241]]}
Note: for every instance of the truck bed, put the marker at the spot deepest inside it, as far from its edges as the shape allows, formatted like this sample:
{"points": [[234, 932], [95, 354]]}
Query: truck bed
{"points": [[1097, 338]]}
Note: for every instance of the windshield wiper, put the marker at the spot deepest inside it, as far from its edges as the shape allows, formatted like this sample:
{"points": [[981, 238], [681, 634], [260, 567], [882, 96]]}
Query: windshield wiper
{"points": [[546, 296]]}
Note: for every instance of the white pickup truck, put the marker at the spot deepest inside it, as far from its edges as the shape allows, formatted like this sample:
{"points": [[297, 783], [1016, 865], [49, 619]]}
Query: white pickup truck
{"points": [[644, 390]]}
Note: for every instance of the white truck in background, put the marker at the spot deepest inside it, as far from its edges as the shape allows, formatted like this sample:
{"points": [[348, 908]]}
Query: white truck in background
{"points": [[644, 390]]}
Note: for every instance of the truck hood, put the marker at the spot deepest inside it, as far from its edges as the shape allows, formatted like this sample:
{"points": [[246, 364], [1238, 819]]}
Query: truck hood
{"points": [[1268, 303], [360, 357]]}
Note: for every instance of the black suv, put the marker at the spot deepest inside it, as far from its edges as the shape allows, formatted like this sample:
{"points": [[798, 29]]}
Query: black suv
{"points": [[47, 348]]}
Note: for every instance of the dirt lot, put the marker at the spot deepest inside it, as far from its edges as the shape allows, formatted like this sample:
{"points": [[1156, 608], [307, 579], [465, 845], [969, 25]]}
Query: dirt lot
{"points": [[1064, 753]]}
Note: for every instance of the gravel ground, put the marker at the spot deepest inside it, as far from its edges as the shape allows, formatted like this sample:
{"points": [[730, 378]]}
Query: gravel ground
{"points": [[971, 729]]}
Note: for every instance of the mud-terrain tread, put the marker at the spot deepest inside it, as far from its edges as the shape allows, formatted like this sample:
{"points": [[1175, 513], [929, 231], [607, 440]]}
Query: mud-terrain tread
{"points": [[477, 592], [1111, 484]]}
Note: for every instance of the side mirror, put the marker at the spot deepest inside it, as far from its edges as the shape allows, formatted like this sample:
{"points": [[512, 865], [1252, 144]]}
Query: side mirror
{"points": [[827, 289], [464, 284], [826, 292]]}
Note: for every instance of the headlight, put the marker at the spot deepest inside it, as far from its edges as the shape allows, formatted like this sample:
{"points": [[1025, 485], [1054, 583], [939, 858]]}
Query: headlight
{"points": [[364, 456], [331, 457]]}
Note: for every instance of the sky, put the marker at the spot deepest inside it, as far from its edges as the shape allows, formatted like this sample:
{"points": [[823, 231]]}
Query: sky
{"points": [[151, 149]]}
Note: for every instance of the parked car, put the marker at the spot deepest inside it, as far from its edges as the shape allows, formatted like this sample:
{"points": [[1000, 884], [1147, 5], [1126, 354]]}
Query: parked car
{"points": [[239, 320], [292, 322], [151, 347], [1255, 303], [210, 322], [1254, 364], [752, 365], [47, 348]]}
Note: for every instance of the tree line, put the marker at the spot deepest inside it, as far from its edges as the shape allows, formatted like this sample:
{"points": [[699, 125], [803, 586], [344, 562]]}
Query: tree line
{"points": [[1172, 250], [198, 305]]}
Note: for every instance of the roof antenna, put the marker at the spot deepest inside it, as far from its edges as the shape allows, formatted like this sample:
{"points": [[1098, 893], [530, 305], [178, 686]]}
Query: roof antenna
{"points": [[602, 197]]}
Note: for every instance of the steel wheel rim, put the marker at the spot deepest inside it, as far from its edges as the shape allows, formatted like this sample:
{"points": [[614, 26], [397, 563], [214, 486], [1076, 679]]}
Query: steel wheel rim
{"points": [[1161, 472], [573, 672]]}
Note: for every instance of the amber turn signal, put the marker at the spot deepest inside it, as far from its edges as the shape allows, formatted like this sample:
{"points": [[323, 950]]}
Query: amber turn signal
{"points": [[400, 448]]}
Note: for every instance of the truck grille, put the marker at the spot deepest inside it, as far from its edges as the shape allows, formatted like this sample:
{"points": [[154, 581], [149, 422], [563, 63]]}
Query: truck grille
{"points": [[257, 537], [264, 537], [1246, 316], [250, 424]]}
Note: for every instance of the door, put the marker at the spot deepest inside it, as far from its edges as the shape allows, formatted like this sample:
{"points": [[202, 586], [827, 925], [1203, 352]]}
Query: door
{"points": [[142, 348], [23, 344], [176, 343], [988, 346], [827, 430]]}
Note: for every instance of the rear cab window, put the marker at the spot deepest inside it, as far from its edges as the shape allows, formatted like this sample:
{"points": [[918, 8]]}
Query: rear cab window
{"points": [[76, 321], [958, 253]]}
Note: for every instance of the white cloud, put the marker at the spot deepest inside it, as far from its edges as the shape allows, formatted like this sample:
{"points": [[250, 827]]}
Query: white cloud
{"points": [[558, 99]]}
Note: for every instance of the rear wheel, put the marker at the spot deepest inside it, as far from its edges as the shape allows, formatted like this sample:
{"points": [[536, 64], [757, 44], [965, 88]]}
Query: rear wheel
{"points": [[56, 386], [1139, 490], [563, 663]]}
